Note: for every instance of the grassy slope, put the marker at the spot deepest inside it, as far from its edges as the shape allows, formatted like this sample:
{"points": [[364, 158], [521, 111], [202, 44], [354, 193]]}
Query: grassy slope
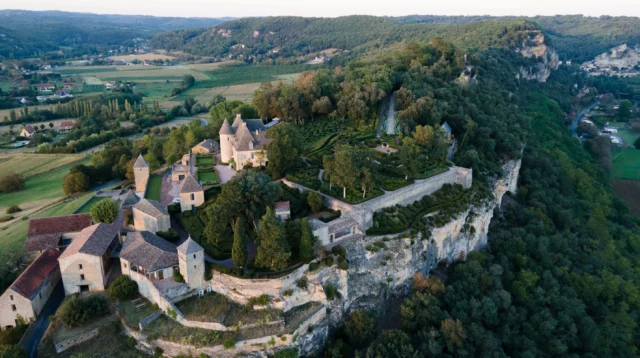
{"points": [[626, 164]]}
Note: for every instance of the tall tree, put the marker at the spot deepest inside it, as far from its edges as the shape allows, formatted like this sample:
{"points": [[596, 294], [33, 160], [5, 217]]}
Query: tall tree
{"points": [[283, 151], [105, 211], [273, 250], [306, 241], [239, 251], [248, 194]]}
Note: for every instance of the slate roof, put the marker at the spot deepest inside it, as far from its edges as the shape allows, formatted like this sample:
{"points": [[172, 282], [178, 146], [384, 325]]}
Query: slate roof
{"points": [[149, 251], [42, 242], [316, 224], [189, 246], [58, 224], [151, 207], [130, 199], [94, 240], [190, 185], [246, 139], [30, 280], [141, 162]]}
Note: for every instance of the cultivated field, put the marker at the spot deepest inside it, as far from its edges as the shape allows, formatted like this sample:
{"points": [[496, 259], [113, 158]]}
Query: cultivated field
{"points": [[5, 112], [211, 66], [626, 164], [142, 57], [29, 165], [149, 73], [629, 191]]}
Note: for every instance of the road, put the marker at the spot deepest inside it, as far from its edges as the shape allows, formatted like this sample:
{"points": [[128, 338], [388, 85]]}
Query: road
{"points": [[576, 121], [41, 325]]}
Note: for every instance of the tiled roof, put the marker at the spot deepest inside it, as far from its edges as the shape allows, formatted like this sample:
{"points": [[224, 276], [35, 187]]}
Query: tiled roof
{"points": [[316, 224], [237, 122], [59, 224], [42, 242], [29, 128], [208, 143], [342, 223], [94, 240], [140, 162], [130, 199], [149, 251], [189, 247], [28, 282], [190, 185], [282, 206], [66, 124], [226, 128], [151, 207]]}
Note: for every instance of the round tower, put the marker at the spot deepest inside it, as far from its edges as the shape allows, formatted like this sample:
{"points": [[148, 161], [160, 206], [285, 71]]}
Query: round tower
{"points": [[226, 140]]}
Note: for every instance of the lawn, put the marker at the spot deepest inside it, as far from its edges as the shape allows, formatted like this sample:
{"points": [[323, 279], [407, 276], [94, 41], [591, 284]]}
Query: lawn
{"points": [[44, 186], [14, 235], [626, 164], [154, 187], [629, 191], [170, 330], [208, 159], [207, 177], [29, 165], [241, 74], [628, 136], [156, 90], [213, 307], [134, 315], [86, 208]]}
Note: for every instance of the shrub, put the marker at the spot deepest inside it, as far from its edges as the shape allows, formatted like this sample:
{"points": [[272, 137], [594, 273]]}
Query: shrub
{"points": [[315, 201], [105, 211], [287, 353], [76, 182], [339, 251], [11, 182], [158, 352], [177, 276], [314, 266], [6, 218], [229, 343], [13, 209], [123, 288], [288, 292], [171, 313], [303, 282], [328, 261], [76, 310], [343, 264], [261, 300], [360, 328], [170, 235], [331, 292], [271, 341]]}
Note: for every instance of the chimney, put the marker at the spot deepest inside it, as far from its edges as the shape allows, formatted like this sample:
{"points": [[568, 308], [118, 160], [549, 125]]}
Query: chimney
{"points": [[238, 116], [256, 132]]}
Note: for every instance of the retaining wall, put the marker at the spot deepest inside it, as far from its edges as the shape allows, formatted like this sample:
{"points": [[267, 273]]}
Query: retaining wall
{"points": [[64, 345]]}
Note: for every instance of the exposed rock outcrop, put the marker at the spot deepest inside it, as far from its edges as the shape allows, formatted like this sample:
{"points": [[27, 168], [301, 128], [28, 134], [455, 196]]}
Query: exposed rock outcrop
{"points": [[535, 47]]}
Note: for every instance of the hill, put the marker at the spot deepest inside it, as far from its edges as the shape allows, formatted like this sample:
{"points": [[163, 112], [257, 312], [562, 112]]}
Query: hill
{"points": [[42, 31], [263, 39], [576, 37]]}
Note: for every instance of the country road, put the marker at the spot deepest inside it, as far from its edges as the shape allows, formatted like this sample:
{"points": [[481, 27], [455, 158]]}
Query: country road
{"points": [[576, 121]]}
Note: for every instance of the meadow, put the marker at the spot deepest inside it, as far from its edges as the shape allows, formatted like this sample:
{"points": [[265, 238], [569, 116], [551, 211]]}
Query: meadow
{"points": [[629, 191], [628, 136], [29, 165], [626, 164], [236, 75], [142, 57]]}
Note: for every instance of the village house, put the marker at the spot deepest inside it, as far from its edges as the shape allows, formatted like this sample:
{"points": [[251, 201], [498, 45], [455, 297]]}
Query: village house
{"points": [[28, 131], [283, 210], [179, 171], [69, 85], [336, 230], [244, 142], [63, 93], [191, 193], [86, 262], [149, 215], [45, 87], [28, 294], [207, 146], [54, 232], [65, 126], [141, 173], [148, 255]]}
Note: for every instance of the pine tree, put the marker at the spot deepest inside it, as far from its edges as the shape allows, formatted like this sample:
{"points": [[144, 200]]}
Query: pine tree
{"points": [[274, 251], [306, 242], [239, 252]]}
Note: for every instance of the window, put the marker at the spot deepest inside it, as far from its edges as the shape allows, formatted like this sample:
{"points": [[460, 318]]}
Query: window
{"points": [[81, 277], [193, 196], [80, 266], [13, 308], [194, 266], [11, 296], [125, 265], [194, 256]]}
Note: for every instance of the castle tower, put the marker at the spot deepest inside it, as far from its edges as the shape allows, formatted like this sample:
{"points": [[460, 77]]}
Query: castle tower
{"points": [[141, 173], [226, 140], [191, 263]]}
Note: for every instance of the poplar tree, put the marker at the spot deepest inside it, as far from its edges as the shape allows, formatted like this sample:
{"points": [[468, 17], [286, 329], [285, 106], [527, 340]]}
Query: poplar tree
{"points": [[239, 252]]}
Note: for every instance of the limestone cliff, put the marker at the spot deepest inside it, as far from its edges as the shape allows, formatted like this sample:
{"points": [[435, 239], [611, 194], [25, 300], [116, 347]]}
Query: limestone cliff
{"points": [[535, 47], [372, 276]]}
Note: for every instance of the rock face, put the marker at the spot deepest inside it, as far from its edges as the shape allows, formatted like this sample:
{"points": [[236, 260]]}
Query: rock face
{"points": [[620, 61], [372, 276], [535, 47]]}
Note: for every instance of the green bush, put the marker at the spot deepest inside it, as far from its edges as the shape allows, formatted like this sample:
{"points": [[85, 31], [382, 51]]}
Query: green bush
{"points": [[288, 292], [171, 313], [13, 209], [343, 264], [314, 266], [261, 300], [78, 310], [303, 282], [6, 218], [331, 292], [177, 276], [328, 261], [339, 251], [170, 235], [229, 343], [123, 288]]}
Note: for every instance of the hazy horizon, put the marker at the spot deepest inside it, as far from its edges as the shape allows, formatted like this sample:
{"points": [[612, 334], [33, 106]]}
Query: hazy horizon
{"points": [[335, 8]]}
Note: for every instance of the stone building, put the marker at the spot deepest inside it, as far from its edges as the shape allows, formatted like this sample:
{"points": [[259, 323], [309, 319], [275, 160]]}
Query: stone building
{"points": [[148, 255], [150, 215], [191, 262], [55, 232], [141, 173], [282, 210], [207, 146], [245, 141], [179, 171], [191, 193], [28, 294], [336, 230], [85, 264]]}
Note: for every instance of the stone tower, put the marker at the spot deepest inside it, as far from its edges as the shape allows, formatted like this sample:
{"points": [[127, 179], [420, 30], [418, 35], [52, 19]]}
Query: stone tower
{"points": [[191, 263], [141, 173], [226, 140]]}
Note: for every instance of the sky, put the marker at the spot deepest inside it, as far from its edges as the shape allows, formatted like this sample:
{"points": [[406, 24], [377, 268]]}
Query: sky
{"points": [[332, 8]]}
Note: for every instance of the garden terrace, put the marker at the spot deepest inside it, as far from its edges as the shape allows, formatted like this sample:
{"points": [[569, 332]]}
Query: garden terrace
{"points": [[154, 188], [167, 329], [207, 175], [205, 160]]}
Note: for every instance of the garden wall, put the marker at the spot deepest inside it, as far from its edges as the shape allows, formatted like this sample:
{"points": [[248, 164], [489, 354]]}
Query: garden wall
{"points": [[66, 344]]}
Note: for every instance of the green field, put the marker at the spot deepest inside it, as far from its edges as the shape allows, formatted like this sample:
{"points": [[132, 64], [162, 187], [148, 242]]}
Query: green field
{"points": [[628, 136], [84, 70], [207, 177], [86, 208], [29, 165], [626, 164], [14, 235], [237, 75], [45, 186], [154, 187], [156, 90], [200, 160]]}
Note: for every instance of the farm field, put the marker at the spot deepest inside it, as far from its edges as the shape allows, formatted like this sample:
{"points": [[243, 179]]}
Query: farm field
{"points": [[13, 236], [29, 165], [154, 187], [212, 66], [141, 57], [629, 191], [86, 207], [237, 75], [139, 73], [77, 70], [5, 112], [156, 90], [41, 187], [626, 164]]}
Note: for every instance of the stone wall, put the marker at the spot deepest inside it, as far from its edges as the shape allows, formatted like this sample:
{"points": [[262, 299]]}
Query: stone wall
{"points": [[92, 269], [81, 338]]}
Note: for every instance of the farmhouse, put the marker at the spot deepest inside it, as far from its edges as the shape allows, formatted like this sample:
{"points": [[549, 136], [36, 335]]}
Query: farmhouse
{"points": [[149, 255], [65, 126], [207, 146], [149, 215], [28, 294], [55, 232], [191, 193], [28, 131], [85, 264], [45, 87], [244, 142]]}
